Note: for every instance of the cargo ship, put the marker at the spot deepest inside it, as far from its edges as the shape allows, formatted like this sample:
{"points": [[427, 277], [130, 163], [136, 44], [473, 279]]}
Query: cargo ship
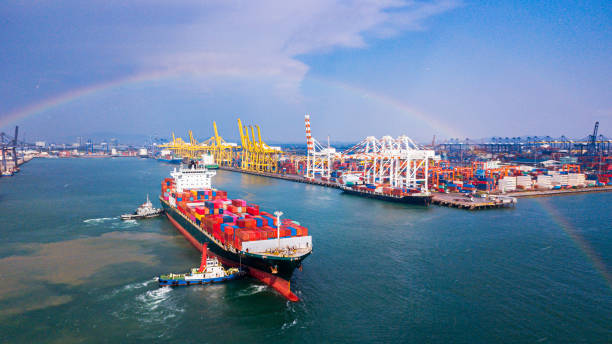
{"points": [[209, 161], [236, 232], [392, 194], [167, 157]]}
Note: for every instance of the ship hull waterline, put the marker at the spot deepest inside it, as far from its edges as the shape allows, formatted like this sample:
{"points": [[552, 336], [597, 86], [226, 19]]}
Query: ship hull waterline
{"points": [[170, 161], [257, 266], [416, 200], [183, 282]]}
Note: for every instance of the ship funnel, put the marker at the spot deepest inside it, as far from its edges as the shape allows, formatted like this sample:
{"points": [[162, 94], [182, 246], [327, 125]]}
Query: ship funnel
{"points": [[204, 252]]}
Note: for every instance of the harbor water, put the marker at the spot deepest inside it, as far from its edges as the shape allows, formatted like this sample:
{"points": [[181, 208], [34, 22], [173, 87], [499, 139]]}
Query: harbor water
{"points": [[72, 271]]}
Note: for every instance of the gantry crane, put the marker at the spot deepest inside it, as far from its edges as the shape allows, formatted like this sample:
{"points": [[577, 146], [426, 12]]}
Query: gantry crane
{"points": [[318, 158], [184, 149], [395, 161], [222, 151], [8, 144], [256, 154]]}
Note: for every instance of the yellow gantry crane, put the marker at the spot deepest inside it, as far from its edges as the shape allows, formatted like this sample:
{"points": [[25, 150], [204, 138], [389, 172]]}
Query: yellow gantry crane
{"points": [[183, 149], [257, 156], [222, 151]]}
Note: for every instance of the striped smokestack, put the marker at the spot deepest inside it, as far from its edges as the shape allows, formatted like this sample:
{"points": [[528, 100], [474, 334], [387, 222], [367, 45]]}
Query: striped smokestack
{"points": [[309, 141]]}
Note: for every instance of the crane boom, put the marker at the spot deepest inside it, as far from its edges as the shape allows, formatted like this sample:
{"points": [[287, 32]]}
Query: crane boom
{"points": [[259, 136], [592, 148]]}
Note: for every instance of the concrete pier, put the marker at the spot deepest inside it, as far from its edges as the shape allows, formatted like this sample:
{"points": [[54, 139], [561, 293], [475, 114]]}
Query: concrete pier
{"points": [[10, 164], [290, 177]]}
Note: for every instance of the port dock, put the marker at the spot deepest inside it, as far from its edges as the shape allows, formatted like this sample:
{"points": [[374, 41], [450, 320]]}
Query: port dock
{"points": [[447, 200], [9, 167], [291, 177]]}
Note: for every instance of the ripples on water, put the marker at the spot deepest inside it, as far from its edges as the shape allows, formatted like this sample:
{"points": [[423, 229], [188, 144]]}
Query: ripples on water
{"points": [[380, 272]]}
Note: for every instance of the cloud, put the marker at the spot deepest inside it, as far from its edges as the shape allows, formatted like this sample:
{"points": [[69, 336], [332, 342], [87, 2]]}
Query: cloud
{"points": [[264, 39], [233, 47]]}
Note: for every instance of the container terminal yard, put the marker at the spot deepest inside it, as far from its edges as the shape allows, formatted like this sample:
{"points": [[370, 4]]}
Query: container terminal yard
{"points": [[463, 174], [466, 174]]}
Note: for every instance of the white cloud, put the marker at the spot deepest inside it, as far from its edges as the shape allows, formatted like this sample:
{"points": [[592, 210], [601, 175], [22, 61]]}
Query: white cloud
{"points": [[262, 39]]}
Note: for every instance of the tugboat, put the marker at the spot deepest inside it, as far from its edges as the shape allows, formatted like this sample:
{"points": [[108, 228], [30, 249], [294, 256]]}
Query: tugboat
{"points": [[145, 211], [210, 271]]}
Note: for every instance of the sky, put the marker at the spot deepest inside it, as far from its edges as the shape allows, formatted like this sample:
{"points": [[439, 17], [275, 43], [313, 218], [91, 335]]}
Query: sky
{"points": [[449, 68]]}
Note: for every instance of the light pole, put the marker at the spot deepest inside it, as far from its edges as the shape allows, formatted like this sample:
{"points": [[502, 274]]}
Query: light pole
{"points": [[278, 215]]}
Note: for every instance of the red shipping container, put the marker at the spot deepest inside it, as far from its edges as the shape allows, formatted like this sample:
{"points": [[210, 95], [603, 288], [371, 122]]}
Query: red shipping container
{"points": [[216, 218], [243, 235], [221, 194], [256, 235], [263, 234], [246, 235], [207, 223], [229, 238], [271, 233], [238, 202], [247, 223], [251, 223], [252, 211], [261, 220]]}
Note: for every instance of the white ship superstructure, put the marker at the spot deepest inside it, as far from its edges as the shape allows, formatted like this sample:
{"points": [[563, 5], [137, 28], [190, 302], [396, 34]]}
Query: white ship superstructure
{"points": [[192, 178]]}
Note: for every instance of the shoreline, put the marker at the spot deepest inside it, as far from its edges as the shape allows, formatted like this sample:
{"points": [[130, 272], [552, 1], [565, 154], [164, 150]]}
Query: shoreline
{"points": [[531, 193], [546, 193]]}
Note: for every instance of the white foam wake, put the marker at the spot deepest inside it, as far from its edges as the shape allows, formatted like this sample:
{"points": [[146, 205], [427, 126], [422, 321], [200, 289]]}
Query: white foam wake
{"points": [[99, 220], [252, 290]]}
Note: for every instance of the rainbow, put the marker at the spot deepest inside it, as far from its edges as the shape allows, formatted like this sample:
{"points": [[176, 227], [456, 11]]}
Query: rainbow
{"points": [[429, 120], [72, 95], [578, 239], [75, 94]]}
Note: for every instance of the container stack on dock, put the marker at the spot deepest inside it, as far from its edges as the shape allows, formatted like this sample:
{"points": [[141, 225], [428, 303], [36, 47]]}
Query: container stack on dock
{"points": [[507, 184], [544, 182], [524, 182]]}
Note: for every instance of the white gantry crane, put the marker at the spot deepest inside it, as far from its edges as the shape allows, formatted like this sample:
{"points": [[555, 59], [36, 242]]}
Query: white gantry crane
{"points": [[398, 162], [319, 158]]}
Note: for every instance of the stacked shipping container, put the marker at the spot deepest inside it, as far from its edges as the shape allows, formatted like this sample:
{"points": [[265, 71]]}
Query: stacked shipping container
{"points": [[230, 221]]}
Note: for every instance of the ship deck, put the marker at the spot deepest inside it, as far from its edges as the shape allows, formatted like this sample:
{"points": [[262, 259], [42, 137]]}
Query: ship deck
{"points": [[291, 254]]}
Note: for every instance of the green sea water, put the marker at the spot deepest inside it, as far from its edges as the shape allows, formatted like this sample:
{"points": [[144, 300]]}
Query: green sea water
{"points": [[71, 271]]}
